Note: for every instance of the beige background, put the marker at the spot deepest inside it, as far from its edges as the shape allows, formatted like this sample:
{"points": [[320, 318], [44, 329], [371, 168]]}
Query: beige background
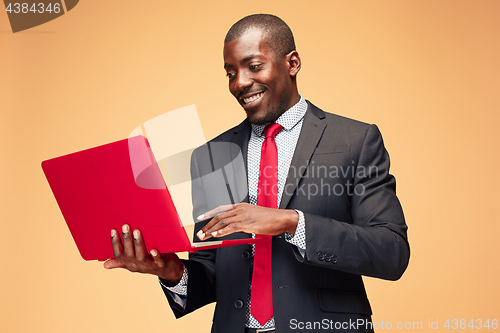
{"points": [[427, 72]]}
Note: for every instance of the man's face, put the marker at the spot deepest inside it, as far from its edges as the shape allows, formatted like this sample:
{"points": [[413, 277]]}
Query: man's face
{"points": [[258, 78]]}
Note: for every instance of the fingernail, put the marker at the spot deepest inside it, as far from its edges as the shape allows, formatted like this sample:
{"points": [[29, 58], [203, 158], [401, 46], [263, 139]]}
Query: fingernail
{"points": [[136, 234], [201, 217], [200, 234], [154, 253], [214, 233], [125, 228], [113, 232]]}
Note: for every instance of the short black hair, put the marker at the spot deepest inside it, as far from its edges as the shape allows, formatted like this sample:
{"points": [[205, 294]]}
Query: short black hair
{"points": [[278, 32]]}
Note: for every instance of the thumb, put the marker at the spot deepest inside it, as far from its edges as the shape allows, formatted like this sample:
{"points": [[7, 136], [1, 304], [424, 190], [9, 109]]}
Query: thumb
{"points": [[113, 263]]}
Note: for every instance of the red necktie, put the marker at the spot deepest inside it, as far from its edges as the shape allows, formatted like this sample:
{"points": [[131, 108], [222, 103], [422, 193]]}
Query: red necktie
{"points": [[261, 298]]}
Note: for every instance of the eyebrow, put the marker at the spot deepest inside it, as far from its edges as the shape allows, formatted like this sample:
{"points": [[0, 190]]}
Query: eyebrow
{"points": [[247, 58]]}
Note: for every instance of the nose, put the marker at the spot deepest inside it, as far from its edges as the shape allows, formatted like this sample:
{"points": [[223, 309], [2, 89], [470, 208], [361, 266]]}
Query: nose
{"points": [[242, 82]]}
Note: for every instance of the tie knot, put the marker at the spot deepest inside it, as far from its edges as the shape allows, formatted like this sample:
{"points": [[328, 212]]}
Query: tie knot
{"points": [[272, 129]]}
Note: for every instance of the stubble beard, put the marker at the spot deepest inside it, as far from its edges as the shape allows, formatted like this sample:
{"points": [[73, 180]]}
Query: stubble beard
{"points": [[271, 115]]}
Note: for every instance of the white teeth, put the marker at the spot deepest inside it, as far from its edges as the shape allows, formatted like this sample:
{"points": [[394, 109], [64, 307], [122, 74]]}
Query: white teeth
{"points": [[252, 98]]}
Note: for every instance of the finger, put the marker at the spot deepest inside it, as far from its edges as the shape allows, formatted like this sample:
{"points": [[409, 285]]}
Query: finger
{"points": [[223, 221], [226, 230], [139, 248], [221, 216], [113, 263], [117, 245], [157, 258], [204, 232], [213, 212], [128, 244], [201, 234]]}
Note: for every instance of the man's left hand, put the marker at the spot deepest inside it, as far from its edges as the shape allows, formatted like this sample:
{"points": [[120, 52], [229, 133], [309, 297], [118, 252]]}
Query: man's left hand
{"points": [[244, 217]]}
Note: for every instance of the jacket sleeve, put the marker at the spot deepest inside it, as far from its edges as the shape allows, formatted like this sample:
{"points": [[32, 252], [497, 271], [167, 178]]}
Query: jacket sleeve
{"points": [[201, 264], [373, 241]]}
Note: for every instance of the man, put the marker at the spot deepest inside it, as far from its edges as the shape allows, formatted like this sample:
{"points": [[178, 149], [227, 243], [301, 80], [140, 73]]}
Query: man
{"points": [[338, 216]]}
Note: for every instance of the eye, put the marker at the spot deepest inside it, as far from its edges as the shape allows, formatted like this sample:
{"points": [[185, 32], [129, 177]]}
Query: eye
{"points": [[254, 67], [230, 74]]}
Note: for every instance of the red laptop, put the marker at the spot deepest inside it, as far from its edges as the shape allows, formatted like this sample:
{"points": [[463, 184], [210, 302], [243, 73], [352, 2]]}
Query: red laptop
{"points": [[102, 188]]}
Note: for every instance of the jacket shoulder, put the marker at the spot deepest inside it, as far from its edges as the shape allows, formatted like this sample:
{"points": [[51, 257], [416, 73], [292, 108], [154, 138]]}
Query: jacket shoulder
{"points": [[230, 133], [342, 126]]}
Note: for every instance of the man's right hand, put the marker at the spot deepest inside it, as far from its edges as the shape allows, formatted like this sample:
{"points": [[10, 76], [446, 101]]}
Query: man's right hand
{"points": [[132, 256]]}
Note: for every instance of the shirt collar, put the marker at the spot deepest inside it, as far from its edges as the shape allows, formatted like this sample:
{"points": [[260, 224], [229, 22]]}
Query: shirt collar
{"points": [[289, 119]]}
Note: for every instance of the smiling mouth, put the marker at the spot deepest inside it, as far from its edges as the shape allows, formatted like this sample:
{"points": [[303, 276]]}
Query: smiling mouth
{"points": [[252, 98]]}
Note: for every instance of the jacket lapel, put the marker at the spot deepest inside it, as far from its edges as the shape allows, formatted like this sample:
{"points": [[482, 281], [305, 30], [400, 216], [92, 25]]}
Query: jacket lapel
{"points": [[310, 135], [241, 136]]}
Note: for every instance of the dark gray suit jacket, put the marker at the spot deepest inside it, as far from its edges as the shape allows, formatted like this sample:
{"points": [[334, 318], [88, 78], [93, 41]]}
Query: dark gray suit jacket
{"points": [[339, 178]]}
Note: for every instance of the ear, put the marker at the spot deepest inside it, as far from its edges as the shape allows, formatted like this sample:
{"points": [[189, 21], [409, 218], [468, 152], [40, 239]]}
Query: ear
{"points": [[293, 62]]}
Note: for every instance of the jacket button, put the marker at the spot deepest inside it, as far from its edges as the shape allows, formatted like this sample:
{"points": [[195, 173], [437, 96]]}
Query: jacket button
{"points": [[334, 259], [246, 255], [321, 256], [238, 304], [328, 257]]}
